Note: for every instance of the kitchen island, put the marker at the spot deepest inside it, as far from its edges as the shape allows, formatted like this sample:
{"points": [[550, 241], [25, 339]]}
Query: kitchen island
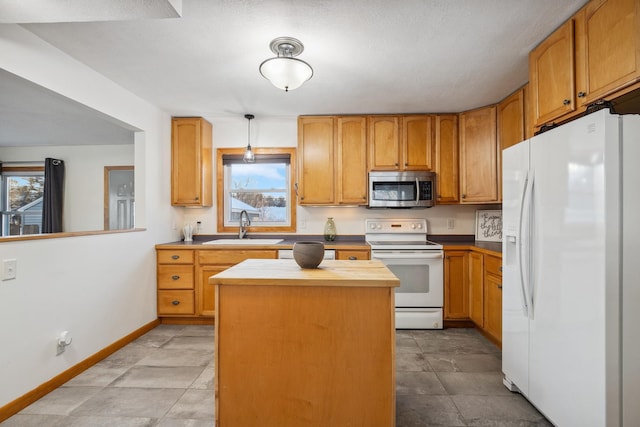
{"points": [[305, 347]]}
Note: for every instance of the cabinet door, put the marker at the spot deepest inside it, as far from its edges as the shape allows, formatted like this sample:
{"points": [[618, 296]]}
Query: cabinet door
{"points": [[510, 127], [612, 43], [207, 291], [352, 160], [478, 156], [551, 75], [384, 143], [316, 185], [493, 306], [446, 158], [417, 136], [476, 288], [456, 285], [191, 162]]}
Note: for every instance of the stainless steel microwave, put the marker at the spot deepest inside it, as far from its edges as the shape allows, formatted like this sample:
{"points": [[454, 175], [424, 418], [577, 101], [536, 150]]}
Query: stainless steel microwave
{"points": [[402, 189]]}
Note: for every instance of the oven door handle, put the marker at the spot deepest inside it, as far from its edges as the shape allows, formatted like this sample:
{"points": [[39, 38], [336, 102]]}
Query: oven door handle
{"points": [[405, 255]]}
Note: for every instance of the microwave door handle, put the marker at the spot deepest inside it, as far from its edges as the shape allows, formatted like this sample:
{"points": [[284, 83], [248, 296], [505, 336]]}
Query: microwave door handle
{"points": [[417, 191]]}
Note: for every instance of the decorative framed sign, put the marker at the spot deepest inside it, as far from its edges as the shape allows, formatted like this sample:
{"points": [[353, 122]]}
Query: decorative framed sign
{"points": [[489, 226]]}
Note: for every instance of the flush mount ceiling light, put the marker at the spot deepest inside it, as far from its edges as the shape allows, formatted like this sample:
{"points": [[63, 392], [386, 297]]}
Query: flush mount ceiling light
{"points": [[285, 71], [248, 154]]}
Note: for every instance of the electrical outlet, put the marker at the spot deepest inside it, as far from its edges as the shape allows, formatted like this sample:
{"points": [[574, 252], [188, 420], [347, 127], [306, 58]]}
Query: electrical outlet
{"points": [[303, 223], [9, 269], [451, 223]]}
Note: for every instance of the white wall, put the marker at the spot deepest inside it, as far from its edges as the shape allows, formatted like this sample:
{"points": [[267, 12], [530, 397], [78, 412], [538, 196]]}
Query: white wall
{"points": [[100, 288], [282, 132], [84, 177]]}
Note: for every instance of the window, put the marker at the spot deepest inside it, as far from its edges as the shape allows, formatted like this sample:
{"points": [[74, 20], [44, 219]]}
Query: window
{"points": [[22, 196], [264, 189]]}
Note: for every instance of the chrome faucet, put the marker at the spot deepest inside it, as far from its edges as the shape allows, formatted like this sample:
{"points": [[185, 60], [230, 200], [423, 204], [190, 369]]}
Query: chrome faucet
{"points": [[244, 223]]}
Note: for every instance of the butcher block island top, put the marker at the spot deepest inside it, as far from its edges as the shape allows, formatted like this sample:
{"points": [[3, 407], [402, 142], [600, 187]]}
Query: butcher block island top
{"points": [[298, 347], [285, 272]]}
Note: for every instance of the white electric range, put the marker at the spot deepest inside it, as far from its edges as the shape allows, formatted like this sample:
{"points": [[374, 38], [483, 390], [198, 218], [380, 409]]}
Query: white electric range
{"points": [[402, 245]]}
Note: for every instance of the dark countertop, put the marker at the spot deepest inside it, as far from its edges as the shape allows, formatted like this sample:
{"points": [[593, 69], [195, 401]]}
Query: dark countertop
{"points": [[450, 242], [350, 241], [453, 242]]}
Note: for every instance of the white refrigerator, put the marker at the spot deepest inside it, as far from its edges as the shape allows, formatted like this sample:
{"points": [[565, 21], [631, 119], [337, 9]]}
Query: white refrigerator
{"points": [[571, 271]]}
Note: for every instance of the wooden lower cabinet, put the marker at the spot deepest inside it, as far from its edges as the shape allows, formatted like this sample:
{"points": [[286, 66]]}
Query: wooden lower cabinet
{"points": [[473, 290], [184, 292], [493, 297], [476, 290], [176, 303], [175, 278], [456, 285], [353, 254], [214, 261], [493, 306]]}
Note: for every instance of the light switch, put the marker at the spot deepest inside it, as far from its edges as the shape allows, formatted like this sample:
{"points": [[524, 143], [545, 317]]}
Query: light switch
{"points": [[9, 269]]}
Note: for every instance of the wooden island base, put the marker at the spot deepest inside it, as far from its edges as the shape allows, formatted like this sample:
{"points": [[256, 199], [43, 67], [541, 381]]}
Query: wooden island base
{"points": [[305, 347]]}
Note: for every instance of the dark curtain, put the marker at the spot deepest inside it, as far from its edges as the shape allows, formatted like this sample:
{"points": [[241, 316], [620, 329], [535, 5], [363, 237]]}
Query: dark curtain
{"points": [[53, 195]]}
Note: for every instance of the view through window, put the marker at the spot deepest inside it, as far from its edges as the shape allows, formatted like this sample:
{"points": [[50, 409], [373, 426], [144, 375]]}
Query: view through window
{"points": [[22, 197], [263, 189]]}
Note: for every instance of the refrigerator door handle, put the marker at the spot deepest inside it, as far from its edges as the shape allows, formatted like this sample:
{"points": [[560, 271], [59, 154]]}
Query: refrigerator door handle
{"points": [[523, 287], [530, 248]]}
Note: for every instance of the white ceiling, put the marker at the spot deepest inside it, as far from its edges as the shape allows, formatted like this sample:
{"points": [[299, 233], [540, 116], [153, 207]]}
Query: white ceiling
{"points": [[369, 56]]}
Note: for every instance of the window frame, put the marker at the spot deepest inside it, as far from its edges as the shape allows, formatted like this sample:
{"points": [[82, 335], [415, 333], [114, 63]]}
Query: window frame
{"points": [[220, 176]]}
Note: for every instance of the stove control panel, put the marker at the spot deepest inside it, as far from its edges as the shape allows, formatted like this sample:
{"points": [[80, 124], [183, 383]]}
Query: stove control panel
{"points": [[392, 226]]}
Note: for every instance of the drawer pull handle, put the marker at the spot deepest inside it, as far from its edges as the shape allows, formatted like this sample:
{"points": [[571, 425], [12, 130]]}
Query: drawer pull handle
{"points": [[566, 102], [500, 269], [353, 258], [499, 286], [175, 302], [175, 256], [176, 277]]}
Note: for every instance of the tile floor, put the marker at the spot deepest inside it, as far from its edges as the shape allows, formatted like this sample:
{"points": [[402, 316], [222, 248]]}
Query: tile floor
{"points": [[165, 379]]}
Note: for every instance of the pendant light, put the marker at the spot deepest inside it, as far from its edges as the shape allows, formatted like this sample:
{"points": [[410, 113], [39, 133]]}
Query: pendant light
{"points": [[285, 71], [249, 157]]}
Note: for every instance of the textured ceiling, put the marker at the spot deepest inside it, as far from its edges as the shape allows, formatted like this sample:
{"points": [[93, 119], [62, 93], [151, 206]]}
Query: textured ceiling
{"points": [[369, 56]]}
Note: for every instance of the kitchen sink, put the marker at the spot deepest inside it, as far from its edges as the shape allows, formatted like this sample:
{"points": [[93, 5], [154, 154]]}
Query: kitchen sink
{"points": [[243, 242]]}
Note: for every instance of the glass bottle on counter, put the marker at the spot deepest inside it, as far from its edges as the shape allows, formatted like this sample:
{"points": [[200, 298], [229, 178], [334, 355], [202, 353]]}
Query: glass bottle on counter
{"points": [[330, 230]]}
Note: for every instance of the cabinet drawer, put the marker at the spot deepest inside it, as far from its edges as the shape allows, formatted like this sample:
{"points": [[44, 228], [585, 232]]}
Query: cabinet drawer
{"points": [[230, 257], [176, 302], [175, 277], [493, 265], [346, 255], [175, 257]]}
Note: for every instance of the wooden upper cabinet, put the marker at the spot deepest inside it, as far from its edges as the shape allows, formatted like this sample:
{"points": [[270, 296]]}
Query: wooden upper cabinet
{"points": [[352, 160], [594, 55], [417, 137], [551, 75], [332, 152], [612, 46], [316, 136], [401, 143], [384, 142], [191, 162], [446, 158], [478, 156], [511, 126]]}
